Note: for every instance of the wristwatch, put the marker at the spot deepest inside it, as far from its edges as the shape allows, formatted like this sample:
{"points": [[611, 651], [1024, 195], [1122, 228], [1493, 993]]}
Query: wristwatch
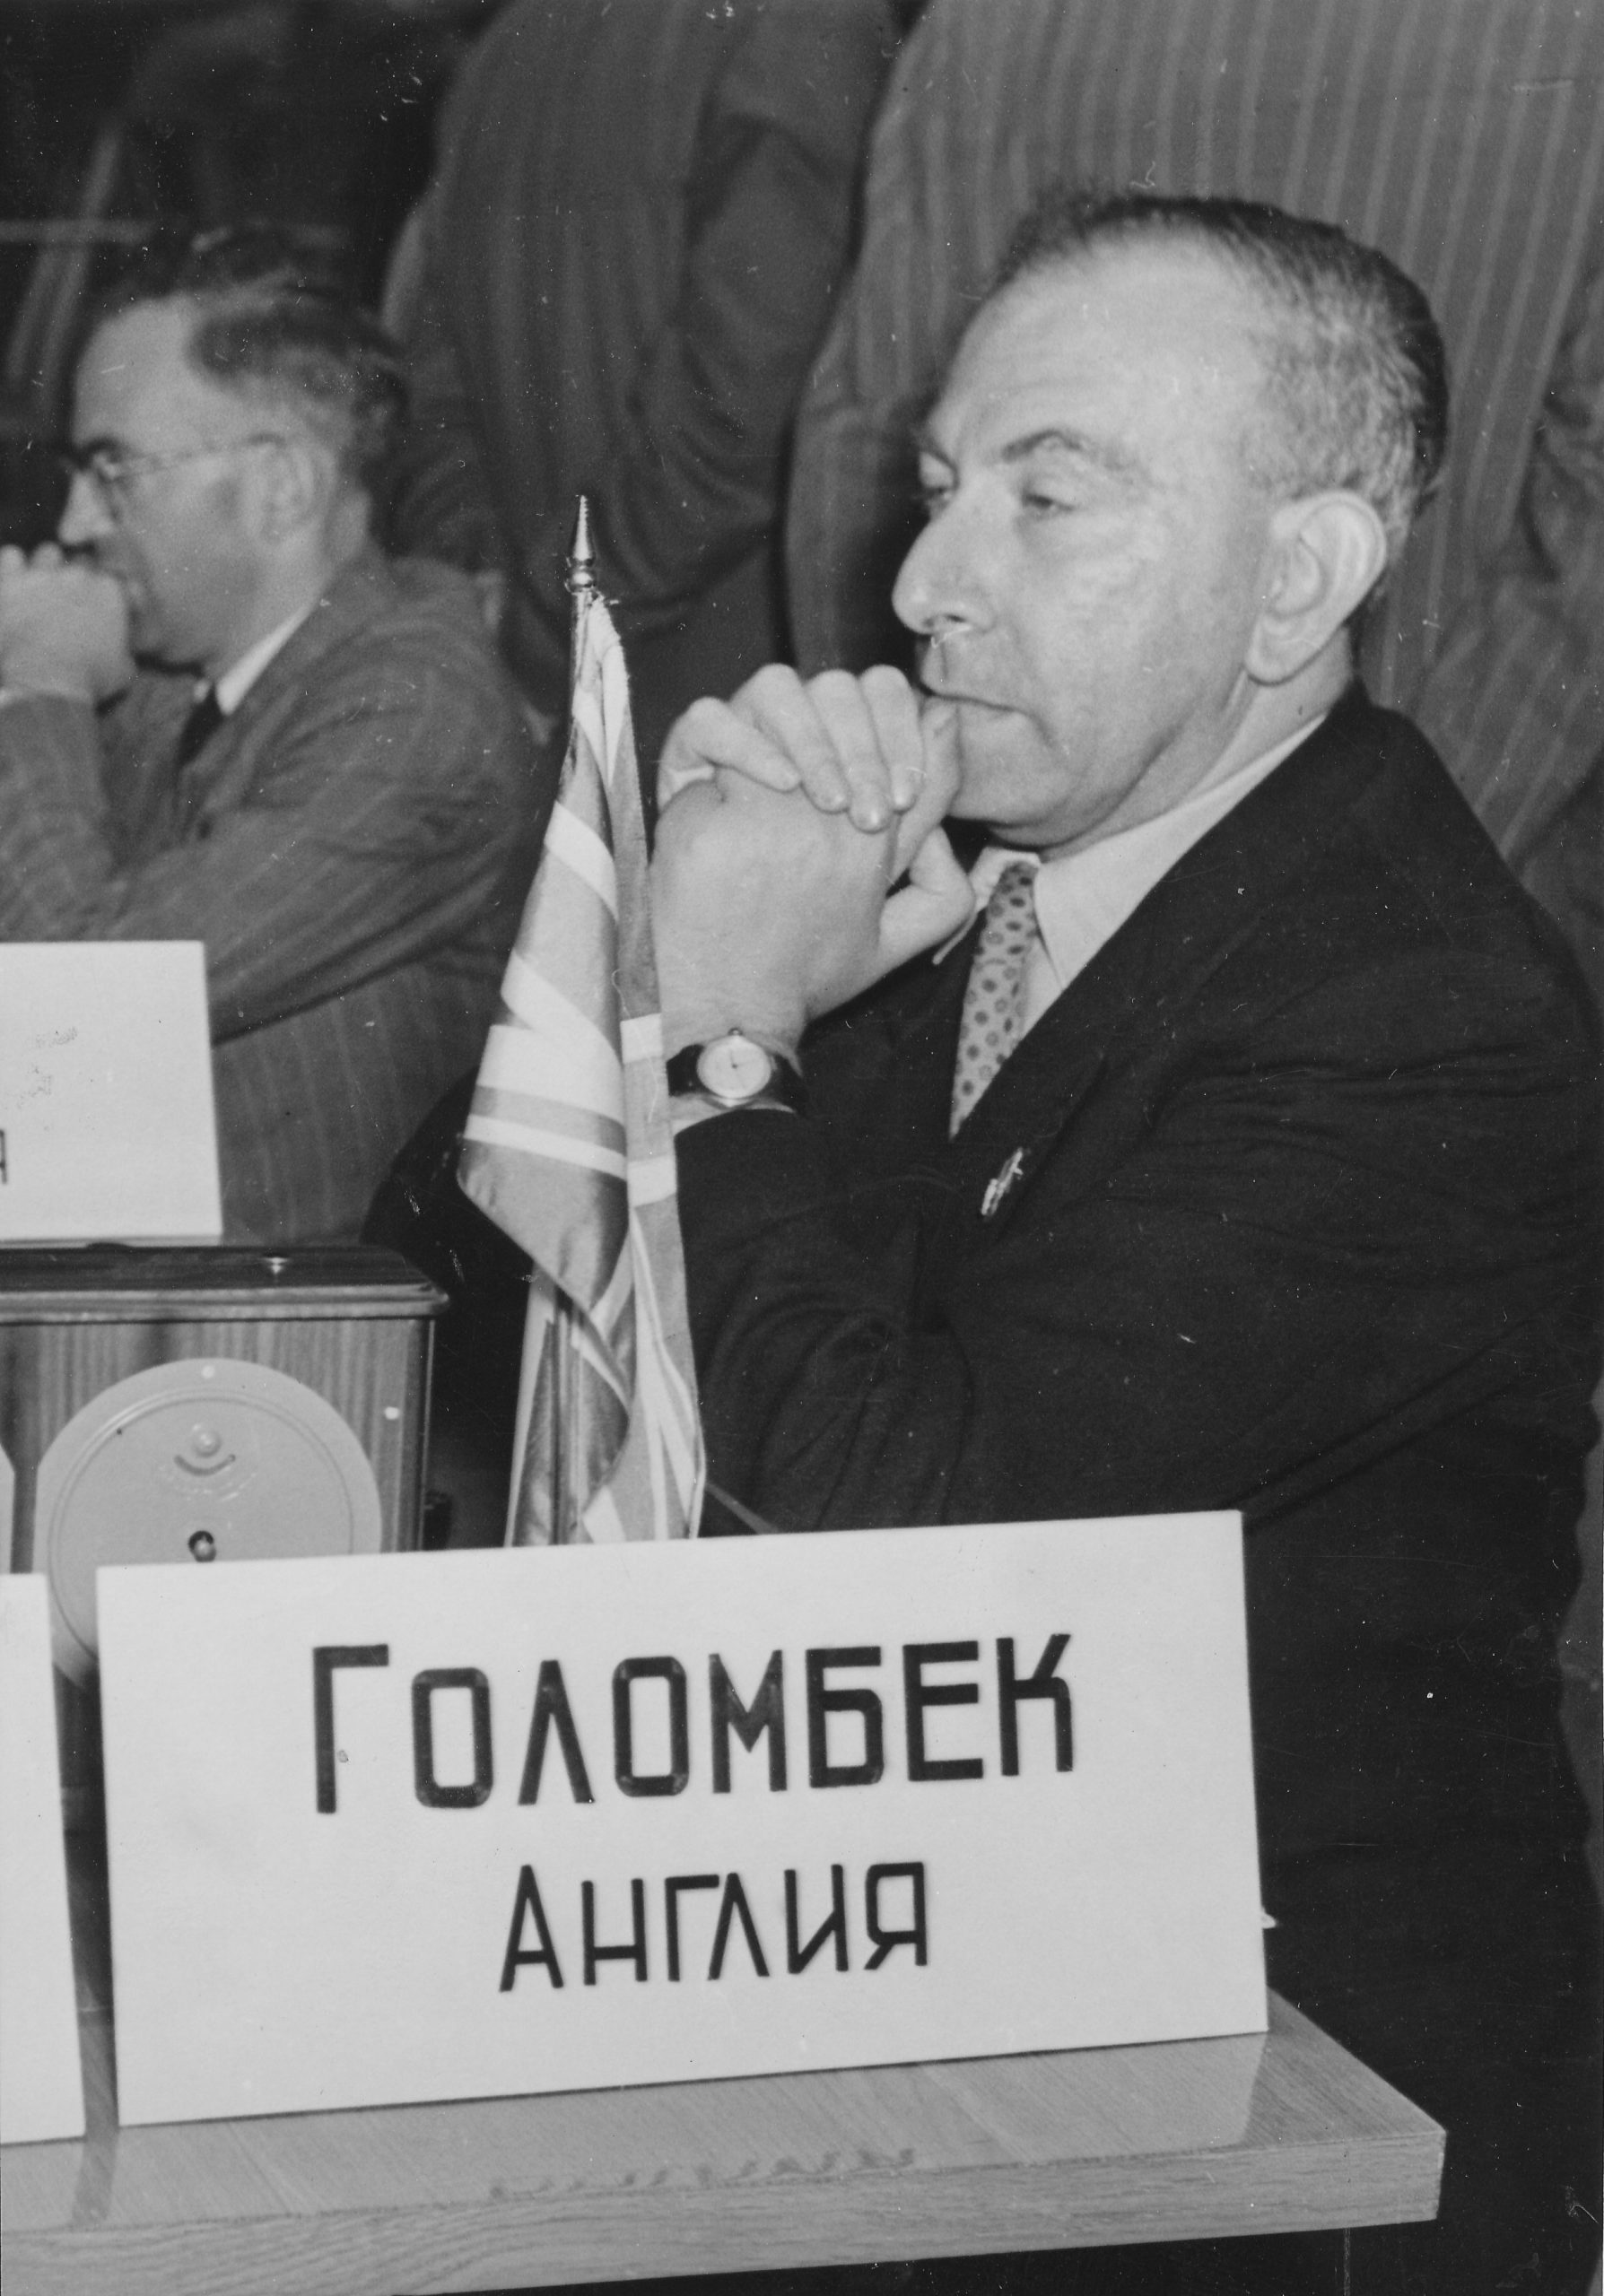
{"points": [[735, 1072]]}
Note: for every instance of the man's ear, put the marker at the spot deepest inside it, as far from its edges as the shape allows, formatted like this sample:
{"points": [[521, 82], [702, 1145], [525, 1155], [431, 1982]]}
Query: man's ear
{"points": [[1327, 553], [291, 485]]}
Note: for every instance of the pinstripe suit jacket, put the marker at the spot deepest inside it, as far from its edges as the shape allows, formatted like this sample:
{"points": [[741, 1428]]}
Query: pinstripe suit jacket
{"points": [[1467, 141], [353, 846]]}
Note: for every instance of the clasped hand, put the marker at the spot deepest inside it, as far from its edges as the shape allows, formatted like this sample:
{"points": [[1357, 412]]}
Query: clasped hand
{"points": [[63, 627], [788, 815]]}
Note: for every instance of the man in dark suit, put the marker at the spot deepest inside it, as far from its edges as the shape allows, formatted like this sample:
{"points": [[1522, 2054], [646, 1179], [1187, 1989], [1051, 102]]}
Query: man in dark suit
{"points": [[629, 249], [319, 767], [1242, 1158]]}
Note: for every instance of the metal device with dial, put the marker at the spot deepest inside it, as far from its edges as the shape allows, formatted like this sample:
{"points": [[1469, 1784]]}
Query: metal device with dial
{"points": [[202, 1460]]}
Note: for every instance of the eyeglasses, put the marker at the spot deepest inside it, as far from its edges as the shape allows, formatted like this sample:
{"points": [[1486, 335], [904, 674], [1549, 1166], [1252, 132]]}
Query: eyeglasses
{"points": [[114, 471]]}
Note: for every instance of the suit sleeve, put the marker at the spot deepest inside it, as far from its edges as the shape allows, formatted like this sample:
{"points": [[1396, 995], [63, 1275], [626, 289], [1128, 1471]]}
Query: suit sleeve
{"points": [[377, 838], [1306, 1254], [441, 501], [772, 206], [852, 514], [853, 505], [1515, 697]]}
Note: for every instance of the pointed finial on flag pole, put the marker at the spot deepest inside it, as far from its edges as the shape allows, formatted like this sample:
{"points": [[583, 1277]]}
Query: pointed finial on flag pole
{"points": [[563, 1434], [581, 559]]}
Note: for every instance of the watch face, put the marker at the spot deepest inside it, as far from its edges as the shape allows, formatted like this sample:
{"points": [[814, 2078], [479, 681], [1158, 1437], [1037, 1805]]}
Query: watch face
{"points": [[734, 1068]]}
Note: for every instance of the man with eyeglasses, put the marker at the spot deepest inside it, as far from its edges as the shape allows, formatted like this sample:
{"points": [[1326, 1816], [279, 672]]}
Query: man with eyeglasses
{"points": [[228, 717]]}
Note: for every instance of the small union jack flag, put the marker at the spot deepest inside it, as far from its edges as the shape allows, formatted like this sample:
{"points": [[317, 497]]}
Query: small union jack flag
{"points": [[569, 1148]]}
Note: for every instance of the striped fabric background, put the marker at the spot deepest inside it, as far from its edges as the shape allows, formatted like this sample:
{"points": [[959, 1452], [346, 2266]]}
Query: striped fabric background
{"points": [[1464, 137], [568, 1148]]}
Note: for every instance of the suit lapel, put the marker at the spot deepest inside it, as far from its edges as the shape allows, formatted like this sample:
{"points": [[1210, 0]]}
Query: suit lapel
{"points": [[140, 733], [220, 777], [1136, 988], [881, 1070]]}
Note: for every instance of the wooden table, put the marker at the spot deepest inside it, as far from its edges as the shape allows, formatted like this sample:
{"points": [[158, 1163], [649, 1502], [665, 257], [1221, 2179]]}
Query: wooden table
{"points": [[1267, 2134], [1083, 2148]]}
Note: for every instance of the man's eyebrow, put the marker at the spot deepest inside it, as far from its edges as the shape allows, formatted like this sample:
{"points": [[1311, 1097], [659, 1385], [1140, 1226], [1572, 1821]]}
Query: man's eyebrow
{"points": [[1055, 439], [1103, 452]]}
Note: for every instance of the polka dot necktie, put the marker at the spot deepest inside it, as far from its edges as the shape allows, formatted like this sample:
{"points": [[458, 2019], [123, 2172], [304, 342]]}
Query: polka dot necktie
{"points": [[994, 995]]}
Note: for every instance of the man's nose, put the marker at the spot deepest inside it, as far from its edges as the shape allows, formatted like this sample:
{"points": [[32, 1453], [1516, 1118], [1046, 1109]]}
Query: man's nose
{"points": [[84, 517], [938, 590]]}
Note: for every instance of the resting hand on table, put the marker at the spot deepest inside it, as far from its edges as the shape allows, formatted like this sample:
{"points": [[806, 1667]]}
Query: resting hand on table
{"points": [[63, 627], [787, 820]]}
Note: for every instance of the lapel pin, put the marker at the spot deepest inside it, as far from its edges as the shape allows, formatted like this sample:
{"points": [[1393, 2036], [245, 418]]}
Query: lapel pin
{"points": [[999, 1189]]}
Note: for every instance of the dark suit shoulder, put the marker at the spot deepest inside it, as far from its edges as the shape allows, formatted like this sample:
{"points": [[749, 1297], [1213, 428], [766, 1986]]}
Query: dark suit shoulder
{"points": [[1437, 857], [1365, 876]]}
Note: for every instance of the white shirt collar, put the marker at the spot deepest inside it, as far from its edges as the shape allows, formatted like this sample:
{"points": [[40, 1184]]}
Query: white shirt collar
{"points": [[238, 678], [1083, 898]]}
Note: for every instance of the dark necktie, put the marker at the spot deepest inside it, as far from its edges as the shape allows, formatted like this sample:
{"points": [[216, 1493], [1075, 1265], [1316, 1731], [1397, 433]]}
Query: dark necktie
{"points": [[996, 988], [199, 726]]}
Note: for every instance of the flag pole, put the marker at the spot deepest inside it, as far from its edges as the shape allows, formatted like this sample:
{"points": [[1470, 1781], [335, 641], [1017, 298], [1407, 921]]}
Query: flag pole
{"points": [[581, 574], [580, 583], [569, 1146]]}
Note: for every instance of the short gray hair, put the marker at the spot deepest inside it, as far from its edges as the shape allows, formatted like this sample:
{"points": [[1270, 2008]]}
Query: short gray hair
{"points": [[1355, 373], [271, 317]]}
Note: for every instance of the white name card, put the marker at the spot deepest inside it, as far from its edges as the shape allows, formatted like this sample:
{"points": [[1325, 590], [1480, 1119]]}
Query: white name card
{"points": [[420, 1827], [41, 2086], [107, 1127]]}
